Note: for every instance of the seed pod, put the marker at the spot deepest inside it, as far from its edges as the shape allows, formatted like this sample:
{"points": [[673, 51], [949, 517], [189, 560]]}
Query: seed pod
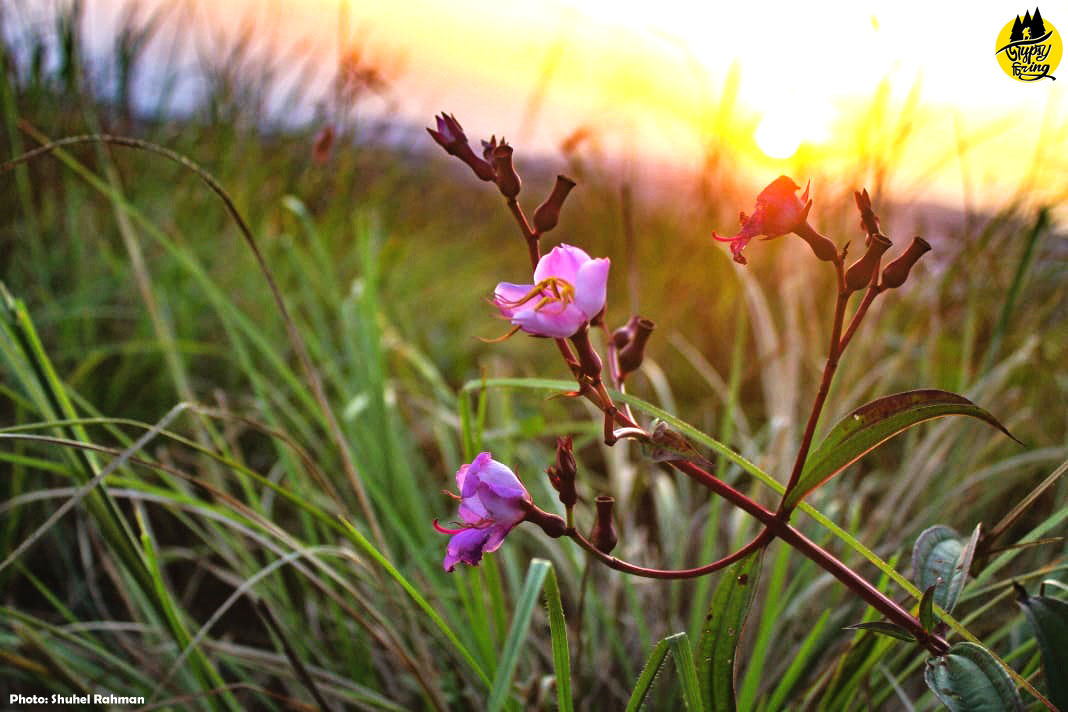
{"points": [[507, 179], [897, 271], [603, 535], [631, 356], [860, 272], [547, 214]]}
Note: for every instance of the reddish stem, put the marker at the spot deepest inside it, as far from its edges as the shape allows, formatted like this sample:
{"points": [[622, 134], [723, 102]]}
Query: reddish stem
{"points": [[869, 297], [779, 527], [825, 384], [761, 539]]}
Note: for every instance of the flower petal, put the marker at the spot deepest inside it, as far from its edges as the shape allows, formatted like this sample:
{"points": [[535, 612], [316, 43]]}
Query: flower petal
{"points": [[507, 294], [562, 261], [496, 537], [508, 511], [468, 476], [501, 480], [591, 286], [467, 547], [550, 320]]}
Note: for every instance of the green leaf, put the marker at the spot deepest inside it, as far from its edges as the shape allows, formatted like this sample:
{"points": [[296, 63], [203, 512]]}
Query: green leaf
{"points": [[558, 633], [648, 674], [723, 628], [927, 617], [941, 559], [1049, 620], [684, 664], [884, 628], [679, 645], [517, 634], [869, 426], [969, 679]]}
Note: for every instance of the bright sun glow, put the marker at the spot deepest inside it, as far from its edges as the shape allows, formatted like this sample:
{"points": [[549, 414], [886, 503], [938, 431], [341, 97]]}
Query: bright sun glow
{"points": [[776, 136]]}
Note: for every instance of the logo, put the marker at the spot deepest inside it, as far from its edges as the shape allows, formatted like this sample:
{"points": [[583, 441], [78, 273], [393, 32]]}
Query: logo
{"points": [[1029, 49]]}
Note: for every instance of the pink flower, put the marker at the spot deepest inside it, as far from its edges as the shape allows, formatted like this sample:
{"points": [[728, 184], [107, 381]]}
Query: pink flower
{"points": [[569, 290], [778, 211], [492, 502]]}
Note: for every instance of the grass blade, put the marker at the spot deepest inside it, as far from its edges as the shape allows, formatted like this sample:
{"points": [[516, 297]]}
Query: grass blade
{"points": [[558, 633], [528, 598]]}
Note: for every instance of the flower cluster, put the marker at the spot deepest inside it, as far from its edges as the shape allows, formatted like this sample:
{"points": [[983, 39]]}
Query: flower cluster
{"points": [[566, 297]]}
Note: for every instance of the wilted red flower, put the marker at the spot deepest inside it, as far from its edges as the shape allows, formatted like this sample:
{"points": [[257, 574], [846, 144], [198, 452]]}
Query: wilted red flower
{"points": [[779, 211]]}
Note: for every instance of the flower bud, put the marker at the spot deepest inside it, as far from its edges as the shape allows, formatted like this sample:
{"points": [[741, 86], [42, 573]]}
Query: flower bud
{"points": [[450, 136], [589, 359], [507, 179], [897, 271], [547, 214], [630, 356], [562, 473], [603, 535], [860, 272], [487, 148], [869, 222]]}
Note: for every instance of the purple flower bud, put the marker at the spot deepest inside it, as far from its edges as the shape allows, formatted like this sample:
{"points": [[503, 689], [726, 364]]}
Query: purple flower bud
{"points": [[492, 502], [562, 472], [450, 136]]}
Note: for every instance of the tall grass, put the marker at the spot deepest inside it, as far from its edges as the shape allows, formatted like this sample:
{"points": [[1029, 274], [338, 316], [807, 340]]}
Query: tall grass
{"points": [[177, 522]]}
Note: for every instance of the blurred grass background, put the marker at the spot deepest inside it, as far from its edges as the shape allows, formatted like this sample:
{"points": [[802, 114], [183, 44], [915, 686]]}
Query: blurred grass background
{"points": [[144, 296]]}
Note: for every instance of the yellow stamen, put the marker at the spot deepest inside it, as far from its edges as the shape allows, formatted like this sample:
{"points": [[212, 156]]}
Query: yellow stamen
{"points": [[561, 291], [511, 332]]}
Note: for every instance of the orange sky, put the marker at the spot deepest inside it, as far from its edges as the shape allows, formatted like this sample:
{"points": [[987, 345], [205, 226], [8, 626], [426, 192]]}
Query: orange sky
{"points": [[649, 77]]}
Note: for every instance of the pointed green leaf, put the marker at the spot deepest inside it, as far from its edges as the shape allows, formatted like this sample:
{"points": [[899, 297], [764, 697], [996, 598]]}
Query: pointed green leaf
{"points": [[648, 674], [682, 653], [1049, 620], [941, 559], [969, 679], [723, 628], [884, 628], [869, 426], [927, 617]]}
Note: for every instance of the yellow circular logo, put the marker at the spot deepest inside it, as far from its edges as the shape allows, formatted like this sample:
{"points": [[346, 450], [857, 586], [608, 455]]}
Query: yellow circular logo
{"points": [[1029, 48]]}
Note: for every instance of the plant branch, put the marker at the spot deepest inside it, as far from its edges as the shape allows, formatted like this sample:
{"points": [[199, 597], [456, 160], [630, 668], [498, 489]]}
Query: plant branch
{"points": [[761, 539], [854, 323], [825, 383]]}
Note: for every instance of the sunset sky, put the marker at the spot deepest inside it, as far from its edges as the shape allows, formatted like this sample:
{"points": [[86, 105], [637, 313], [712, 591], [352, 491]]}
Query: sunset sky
{"points": [[648, 78]]}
